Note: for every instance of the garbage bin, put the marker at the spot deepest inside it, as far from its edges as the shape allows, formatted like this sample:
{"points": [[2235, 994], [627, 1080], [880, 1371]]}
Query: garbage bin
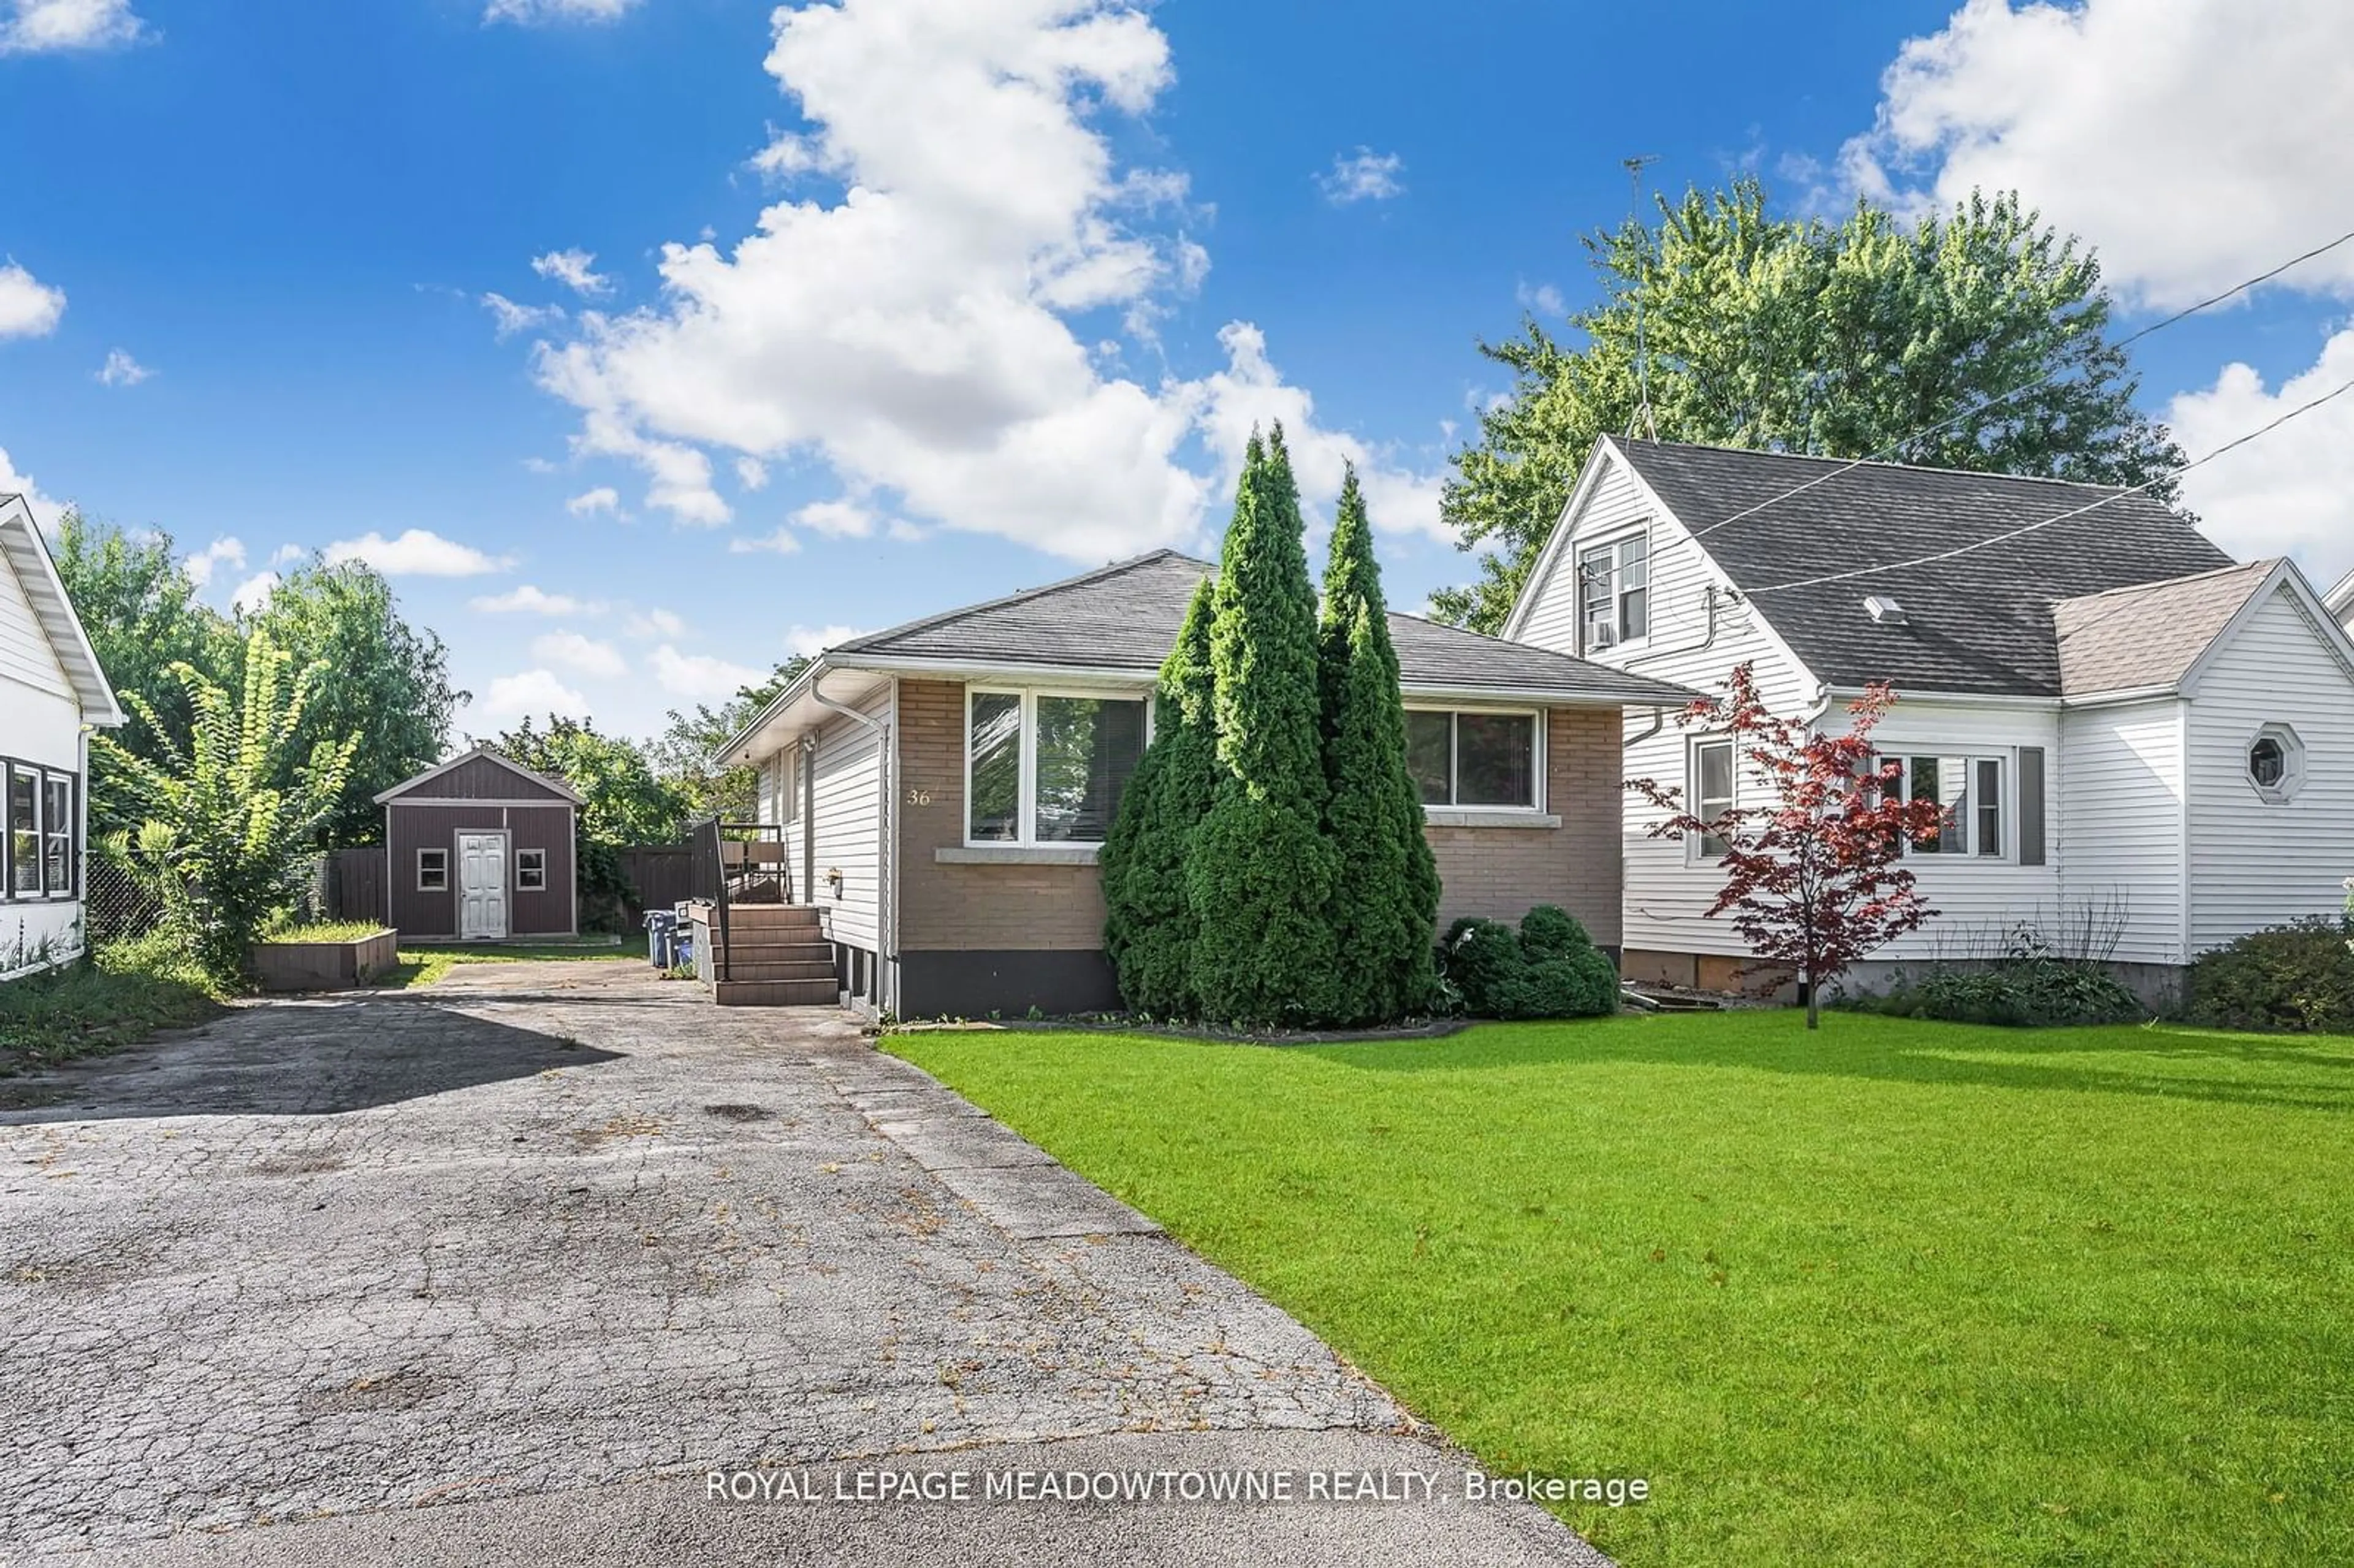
{"points": [[684, 950], [662, 937]]}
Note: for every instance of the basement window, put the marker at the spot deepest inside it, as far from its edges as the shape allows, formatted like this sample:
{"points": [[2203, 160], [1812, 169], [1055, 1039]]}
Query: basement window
{"points": [[1049, 768]]}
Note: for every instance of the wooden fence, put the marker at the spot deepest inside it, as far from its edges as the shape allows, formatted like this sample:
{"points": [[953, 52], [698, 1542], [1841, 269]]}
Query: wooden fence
{"points": [[661, 874], [354, 879]]}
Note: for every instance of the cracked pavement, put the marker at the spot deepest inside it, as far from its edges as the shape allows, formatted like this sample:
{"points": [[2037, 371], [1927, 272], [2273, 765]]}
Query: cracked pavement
{"points": [[570, 1229]]}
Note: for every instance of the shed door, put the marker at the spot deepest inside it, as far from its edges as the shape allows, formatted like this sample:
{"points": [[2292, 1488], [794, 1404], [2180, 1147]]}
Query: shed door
{"points": [[481, 885]]}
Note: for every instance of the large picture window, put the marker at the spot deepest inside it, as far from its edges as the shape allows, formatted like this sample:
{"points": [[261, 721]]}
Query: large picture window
{"points": [[1049, 768], [1970, 791], [1614, 592], [1473, 759], [24, 831]]}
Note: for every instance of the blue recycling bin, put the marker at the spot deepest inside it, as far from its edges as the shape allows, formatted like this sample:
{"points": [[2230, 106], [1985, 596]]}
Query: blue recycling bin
{"points": [[662, 937]]}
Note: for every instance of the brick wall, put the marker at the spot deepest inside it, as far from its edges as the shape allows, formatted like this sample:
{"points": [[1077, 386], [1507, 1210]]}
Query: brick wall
{"points": [[1495, 872]]}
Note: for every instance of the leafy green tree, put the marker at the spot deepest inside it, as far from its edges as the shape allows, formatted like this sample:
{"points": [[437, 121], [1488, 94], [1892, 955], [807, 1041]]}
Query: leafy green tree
{"points": [[682, 754], [139, 609], [1796, 335], [222, 819], [1385, 910], [626, 802], [1261, 874], [388, 683], [1149, 926]]}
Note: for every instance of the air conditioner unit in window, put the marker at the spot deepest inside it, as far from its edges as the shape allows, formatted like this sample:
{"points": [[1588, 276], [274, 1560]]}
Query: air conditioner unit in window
{"points": [[1601, 635]]}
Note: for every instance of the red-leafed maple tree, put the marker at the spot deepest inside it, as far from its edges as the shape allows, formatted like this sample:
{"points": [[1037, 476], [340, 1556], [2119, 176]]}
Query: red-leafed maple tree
{"points": [[1814, 880]]}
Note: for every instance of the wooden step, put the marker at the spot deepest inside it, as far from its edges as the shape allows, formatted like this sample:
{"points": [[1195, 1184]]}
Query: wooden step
{"points": [[779, 993], [770, 917], [741, 968]]}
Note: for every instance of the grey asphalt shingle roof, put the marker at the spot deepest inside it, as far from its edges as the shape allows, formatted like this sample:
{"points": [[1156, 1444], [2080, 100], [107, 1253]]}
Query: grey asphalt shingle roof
{"points": [[2132, 637], [1126, 617], [1980, 622]]}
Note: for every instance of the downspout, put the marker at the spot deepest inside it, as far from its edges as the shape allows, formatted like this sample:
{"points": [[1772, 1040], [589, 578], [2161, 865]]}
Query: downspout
{"points": [[881, 731]]}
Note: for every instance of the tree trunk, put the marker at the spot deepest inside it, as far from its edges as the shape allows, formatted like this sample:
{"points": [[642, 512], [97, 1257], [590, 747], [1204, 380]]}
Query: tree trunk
{"points": [[1814, 1003]]}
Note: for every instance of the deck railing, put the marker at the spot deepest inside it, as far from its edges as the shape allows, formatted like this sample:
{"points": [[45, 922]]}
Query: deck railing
{"points": [[738, 862]]}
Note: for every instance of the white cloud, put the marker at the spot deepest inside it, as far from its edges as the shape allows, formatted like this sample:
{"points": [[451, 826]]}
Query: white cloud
{"points": [[699, 677], [286, 555], [46, 511], [583, 654], [253, 594], [28, 307], [918, 333], [782, 542], [2286, 494], [1362, 176], [1543, 298], [417, 552], [531, 12], [526, 600], [809, 642], [528, 694], [836, 519], [223, 552], [751, 473], [509, 318], [2159, 130], [38, 27], [121, 370], [650, 623], [604, 498], [575, 270]]}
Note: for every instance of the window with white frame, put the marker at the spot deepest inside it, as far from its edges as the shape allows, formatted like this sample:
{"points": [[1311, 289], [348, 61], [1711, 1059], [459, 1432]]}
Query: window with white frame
{"points": [[2276, 763], [57, 835], [1049, 768], [433, 871], [1614, 592], [1712, 791], [1473, 759], [24, 831], [1969, 790], [531, 871]]}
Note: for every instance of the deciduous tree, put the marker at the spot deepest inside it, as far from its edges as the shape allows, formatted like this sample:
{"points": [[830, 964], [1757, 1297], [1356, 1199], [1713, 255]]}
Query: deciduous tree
{"points": [[1814, 878]]}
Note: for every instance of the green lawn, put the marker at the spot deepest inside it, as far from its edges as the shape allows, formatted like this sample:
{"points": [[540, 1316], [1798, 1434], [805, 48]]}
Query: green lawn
{"points": [[1901, 1292], [87, 1009], [424, 963]]}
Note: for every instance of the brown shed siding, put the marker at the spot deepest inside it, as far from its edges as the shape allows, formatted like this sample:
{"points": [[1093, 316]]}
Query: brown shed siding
{"points": [[481, 778], [411, 826], [964, 929]]}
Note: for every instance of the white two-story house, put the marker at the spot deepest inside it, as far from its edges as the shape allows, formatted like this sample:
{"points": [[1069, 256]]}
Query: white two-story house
{"points": [[2146, 749], [52, 694]]}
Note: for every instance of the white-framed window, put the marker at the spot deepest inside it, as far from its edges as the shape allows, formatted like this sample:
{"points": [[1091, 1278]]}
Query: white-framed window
{"points": [[1972, 792], [24, 831], [57, 835], [1048, 767], [1475, 757], [2275, 763], [1712, 791], [531, 871], [1614, 592], [433, 871]]}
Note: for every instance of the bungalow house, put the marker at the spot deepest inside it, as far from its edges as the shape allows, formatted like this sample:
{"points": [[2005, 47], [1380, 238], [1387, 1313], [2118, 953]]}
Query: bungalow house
{"points": [[52, 694], [943, 788], [2141, 744]]}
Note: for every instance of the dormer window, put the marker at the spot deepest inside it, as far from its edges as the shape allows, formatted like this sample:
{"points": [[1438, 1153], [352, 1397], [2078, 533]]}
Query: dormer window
{"points": [[1614, 593]]}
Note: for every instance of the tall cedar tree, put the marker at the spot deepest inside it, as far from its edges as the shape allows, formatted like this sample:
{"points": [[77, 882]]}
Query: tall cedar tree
{"points": [[1384, 911], [1260, 877], [1149, 925], [1798, 334], [1813, 877]]}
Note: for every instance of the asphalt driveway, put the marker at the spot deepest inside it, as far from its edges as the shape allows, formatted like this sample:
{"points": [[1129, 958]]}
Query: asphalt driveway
{"points": [[501, 1270]]}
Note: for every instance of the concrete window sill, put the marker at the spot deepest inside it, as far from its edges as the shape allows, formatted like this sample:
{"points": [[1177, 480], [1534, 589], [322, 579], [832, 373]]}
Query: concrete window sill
{"points": [[1449, 818], [1018, 854]]}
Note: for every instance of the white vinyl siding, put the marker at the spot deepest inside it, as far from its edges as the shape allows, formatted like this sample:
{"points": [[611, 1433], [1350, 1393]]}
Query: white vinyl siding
{"points": [[40, 723], [2255, 863], [846, 819], [2118, 831], [25, 657]]}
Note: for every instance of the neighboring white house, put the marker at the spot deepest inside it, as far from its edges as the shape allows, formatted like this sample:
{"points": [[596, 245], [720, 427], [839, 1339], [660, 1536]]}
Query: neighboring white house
{"points": [[2137, 738], [52, 694]]}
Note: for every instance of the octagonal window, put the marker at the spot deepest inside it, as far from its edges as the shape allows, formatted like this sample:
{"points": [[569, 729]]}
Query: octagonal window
{"points": [[2276, 762]]}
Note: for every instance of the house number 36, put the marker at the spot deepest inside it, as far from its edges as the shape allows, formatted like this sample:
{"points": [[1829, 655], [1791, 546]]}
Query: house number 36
{"points": [[919, 796]]}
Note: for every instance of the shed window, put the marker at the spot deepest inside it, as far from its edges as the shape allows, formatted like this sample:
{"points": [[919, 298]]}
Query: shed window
{"points": [[1473, 759], [433, 871], [531, 871], [58, 835], [1048, 767], [24, 831]]}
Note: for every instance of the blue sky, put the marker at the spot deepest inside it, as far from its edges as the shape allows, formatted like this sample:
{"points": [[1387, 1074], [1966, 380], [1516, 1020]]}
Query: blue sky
{"points": [[1091, 246]]}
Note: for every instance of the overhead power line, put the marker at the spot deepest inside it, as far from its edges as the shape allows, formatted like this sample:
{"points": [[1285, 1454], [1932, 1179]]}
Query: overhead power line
{"points": [[2337, 391], [2023, 389]]}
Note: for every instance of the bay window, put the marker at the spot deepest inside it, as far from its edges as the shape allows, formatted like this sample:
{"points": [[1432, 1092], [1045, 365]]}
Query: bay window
{"points": [[1047, 767], [1473, 759], [1969, 790], [1614, 592]]}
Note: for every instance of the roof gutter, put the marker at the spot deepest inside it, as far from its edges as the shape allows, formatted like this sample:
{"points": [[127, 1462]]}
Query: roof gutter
{"points": [[724, 757]]}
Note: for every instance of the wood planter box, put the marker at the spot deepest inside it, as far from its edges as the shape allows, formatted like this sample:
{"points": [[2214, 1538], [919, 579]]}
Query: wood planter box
{"points": [[325, 966]]}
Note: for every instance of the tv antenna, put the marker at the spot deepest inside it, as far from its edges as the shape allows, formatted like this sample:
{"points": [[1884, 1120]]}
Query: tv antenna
{"points": [[1634, 167]]}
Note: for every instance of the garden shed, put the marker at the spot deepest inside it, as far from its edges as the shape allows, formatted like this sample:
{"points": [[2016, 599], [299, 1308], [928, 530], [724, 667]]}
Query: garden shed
{"points": [[479, 850]]}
